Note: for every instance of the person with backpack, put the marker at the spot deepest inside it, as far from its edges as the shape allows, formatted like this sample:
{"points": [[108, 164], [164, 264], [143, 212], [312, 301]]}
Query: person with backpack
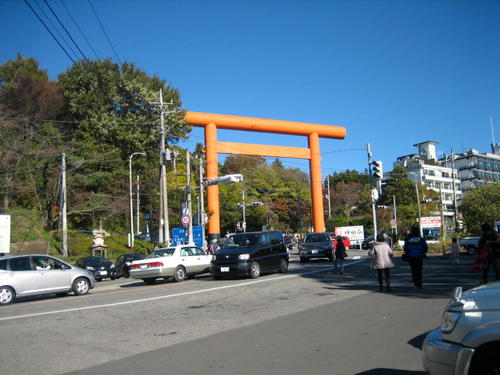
{"points": [[415, 249], [213, 247], [340, 255]]}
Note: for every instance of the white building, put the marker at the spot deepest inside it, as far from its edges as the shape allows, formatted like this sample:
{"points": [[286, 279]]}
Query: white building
{"points": [[424, 168], [476, 169]]}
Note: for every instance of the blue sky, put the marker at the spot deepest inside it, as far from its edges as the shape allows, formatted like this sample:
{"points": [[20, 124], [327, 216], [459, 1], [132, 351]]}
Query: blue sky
{"points": [[394, 73]]}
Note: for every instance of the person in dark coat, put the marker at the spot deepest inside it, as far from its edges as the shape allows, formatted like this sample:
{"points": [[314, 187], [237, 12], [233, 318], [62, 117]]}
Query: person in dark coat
{"points": [[340, 255], [415, 248], [489, 250]]}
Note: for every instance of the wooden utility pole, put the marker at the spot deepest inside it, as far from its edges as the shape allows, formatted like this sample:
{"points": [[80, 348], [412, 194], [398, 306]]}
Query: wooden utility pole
{"points": [[63, 211]]}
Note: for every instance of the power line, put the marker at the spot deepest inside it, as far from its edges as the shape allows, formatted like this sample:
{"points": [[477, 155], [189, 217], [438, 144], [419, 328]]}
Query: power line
{"points": [[103, 30], [79, 29], [50, 32], [66, 30]]}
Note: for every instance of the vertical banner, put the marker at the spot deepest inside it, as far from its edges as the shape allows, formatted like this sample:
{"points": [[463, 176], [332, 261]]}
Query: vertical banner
{"points": [[4, 233]]}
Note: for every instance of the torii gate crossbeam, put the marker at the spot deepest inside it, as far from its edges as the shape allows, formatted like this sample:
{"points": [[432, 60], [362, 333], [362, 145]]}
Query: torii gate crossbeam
{"points": [[212, 122]]}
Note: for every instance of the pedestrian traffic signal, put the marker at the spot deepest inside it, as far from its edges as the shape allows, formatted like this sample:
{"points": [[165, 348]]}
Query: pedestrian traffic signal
{"points": [[377, 169]]}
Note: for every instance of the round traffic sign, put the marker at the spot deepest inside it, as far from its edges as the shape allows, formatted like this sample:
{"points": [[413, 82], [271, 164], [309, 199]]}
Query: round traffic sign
{"points": [[185, 219]]}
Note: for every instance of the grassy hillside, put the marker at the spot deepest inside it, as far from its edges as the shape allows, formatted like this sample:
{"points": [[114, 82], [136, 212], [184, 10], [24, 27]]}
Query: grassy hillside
{"points": [[26, 225]]}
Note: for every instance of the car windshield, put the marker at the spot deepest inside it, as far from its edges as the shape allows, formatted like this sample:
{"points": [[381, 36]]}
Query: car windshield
{"points": [[162, 253], [241, 240], [316, 238], [133, 257], [96, 260]]}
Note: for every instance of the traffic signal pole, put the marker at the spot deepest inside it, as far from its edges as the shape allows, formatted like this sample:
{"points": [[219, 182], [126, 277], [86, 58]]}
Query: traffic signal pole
{"points": [[372, 188]]}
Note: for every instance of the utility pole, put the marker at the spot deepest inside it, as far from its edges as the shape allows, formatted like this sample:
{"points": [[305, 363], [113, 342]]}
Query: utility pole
{"points": [[395, 214], [137, 202], [243, 206], [443, 227], [419, 212], [188, 175], [201, 211], [63, 211], [455, 211], [163, 227], [328, 197]]}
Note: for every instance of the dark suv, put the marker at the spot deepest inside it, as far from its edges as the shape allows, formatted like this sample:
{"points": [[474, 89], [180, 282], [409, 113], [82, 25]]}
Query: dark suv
{"points": [[251, 254]]}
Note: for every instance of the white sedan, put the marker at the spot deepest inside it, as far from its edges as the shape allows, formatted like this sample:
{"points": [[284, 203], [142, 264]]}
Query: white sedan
{"points": [[177, 262]]}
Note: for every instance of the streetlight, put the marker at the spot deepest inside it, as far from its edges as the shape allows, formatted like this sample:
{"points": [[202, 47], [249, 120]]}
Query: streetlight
{"points": [[130, 196]]}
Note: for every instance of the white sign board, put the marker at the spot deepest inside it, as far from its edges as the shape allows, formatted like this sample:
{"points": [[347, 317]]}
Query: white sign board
{"points": [[4, 233], [355, 233], [430, 222]]}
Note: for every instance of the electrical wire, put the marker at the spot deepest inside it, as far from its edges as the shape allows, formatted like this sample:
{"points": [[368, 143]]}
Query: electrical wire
{"points": [[50, 32], [64, 28], [104, 31], [79, 29]]}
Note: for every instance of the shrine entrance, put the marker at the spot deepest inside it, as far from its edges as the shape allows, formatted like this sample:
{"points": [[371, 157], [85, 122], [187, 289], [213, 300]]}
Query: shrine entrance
{"points": [[212, 122]]}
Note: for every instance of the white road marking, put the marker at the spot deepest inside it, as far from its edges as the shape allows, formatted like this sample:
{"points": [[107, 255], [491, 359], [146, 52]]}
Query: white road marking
{"points": [[173, 295]]}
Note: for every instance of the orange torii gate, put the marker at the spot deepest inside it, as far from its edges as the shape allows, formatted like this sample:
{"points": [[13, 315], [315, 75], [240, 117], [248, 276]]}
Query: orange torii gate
{"points": [[212, 122]]}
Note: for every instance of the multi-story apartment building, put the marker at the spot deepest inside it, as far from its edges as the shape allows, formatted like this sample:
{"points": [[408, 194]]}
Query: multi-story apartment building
{"points": [[424, 168], [476, 169]]}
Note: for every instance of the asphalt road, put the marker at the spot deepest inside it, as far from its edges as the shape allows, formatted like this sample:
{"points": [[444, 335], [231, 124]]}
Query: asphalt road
{"points": [[306, 321]]}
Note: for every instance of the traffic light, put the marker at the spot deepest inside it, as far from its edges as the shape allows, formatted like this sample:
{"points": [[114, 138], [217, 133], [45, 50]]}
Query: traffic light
{"points": [[377, 169]]}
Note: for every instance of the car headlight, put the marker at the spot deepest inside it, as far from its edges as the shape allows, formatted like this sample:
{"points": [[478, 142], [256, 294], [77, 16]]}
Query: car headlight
{"points": [[90, 268], [449, 321], [244, 257]]}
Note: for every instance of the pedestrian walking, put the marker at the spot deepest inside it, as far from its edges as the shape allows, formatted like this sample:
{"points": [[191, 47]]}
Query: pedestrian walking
{"points": [[340, 255], [415, 249], [212, 248], [489, 251], [382, 253], [455, 250]]}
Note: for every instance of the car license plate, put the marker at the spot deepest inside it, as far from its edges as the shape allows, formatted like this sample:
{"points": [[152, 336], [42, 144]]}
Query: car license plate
{"points": [[144, 266], [102, 273], [224, 269], [314, 252]]}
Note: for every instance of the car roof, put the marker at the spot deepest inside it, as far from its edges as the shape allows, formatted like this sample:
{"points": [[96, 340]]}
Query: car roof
{"points": [[24, 255]]}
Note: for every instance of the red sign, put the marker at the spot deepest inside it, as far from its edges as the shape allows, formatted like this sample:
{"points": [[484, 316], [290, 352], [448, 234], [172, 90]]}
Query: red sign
{"points": [[185, 219]]}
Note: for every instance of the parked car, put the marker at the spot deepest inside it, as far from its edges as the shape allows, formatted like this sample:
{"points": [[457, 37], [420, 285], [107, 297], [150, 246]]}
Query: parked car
{"points": [[468, 340], [316, 245], [35, 274], [345, 240], [470, 244], [123, 262], [99, 266], [367, 243], [178, 262], [250, 254]]}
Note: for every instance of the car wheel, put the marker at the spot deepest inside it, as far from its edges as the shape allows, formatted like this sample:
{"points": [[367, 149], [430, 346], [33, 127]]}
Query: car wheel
{"points": [[283, 265], [471, 250], [81, 286], [254, 270], [149, 280], [303, 259], [180, 274], [7, 295], [330, 257], [113, 277]]}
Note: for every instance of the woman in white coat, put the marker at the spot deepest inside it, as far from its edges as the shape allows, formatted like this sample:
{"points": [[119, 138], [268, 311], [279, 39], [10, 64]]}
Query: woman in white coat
{"points": [[382, 253]]}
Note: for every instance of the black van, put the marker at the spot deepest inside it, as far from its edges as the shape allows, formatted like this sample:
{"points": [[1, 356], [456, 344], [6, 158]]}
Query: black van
{"points": [[251, 254]]}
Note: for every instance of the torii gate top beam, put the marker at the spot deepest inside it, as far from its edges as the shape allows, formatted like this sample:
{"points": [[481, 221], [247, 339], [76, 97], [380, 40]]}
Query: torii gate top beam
{"points": [[264, 125]]}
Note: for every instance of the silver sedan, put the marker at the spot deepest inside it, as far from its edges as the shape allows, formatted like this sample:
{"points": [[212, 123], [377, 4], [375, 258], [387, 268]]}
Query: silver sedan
{"points": [[37, 274]]}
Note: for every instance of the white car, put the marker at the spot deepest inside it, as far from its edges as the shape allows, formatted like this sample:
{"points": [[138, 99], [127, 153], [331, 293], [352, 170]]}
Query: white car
{"points": [[37, 274], [177, 262]]}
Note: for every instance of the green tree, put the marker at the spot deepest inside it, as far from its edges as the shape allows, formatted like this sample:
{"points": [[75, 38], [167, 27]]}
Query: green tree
{"points": [[481, 205]]}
